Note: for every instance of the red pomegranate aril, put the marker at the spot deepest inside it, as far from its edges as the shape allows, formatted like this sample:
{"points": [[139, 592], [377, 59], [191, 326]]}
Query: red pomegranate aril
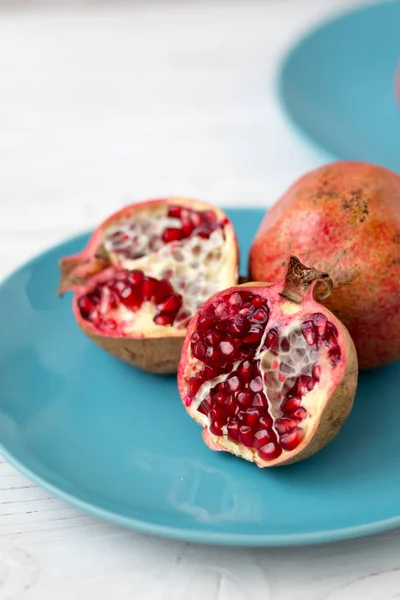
{"points": [[233, 429], [135, 277], [246, 436], [236, 300], [204, 324], [194, 385], [150, 286], [195, 338], [259, 401], [320, 322], [199, 350], [254, 336], [244, 399], [219, 397], [163, 320], [272, 340], [187, 228], [240, 415], [86, 306], [130, 298], [285, 425], [212, 338], [171, 304], [290, 441], [316, 373], [174, 211], [172, 234], [334, 354], [265, 421], [290, 405], [108, 324], [162, 290], [230, 405], [222, 310], [270, 451], [300, 413], [227, 348], [309, 333], [261, 438], [260, 316], [245, 370], [305, 384], [330, 334], [238, 327], [252, 416], [216, 428], [204, 408], [210, 373], [233, 383], [218, 414], [256, 384]]}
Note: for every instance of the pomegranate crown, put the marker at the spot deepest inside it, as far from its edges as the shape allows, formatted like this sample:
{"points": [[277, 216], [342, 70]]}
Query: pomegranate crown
{"points": [[300, 278]]}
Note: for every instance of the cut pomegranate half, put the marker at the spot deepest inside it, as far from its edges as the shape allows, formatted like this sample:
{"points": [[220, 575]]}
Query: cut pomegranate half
{"points": [[267, 371], [145, 272]]}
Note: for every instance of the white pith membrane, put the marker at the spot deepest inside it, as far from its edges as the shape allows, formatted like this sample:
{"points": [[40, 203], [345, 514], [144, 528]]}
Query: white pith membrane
{"points": [[280, 369], [197, 267]]}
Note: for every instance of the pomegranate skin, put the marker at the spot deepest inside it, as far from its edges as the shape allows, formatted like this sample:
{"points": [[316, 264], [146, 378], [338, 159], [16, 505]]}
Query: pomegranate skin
{"points": [[344, 218]]}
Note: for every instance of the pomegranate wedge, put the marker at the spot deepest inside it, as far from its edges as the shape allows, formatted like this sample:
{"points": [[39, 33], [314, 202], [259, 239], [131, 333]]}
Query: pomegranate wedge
{"points": [[144, 273], [269, 372]]}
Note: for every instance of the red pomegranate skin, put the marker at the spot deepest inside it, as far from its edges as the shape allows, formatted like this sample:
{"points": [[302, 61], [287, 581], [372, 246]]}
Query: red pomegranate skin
{"points": [[343, 218]]}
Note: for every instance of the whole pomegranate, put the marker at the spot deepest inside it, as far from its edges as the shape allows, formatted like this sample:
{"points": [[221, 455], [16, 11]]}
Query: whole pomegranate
{"points": [[145, 272], [269, 372], [344, 218]]}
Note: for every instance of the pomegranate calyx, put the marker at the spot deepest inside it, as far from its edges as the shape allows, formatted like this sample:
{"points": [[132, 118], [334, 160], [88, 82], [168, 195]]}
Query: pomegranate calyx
{"points": [[300, 278]]}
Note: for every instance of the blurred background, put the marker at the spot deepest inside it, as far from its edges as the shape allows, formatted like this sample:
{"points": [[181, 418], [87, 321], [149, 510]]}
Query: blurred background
{"points": [[104, 99]]}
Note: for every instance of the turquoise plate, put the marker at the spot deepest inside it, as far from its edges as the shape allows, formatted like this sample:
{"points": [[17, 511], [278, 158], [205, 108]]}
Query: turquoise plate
{"points": [[118, 443], [337, 85]]}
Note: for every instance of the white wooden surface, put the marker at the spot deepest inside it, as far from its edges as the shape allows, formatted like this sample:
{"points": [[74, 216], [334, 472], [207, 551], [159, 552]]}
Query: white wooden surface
{"points": [[102, 99]]}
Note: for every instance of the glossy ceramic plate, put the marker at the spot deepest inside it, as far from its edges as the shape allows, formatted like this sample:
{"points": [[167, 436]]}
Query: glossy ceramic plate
{"points": [[337, 85], [118, 443]]}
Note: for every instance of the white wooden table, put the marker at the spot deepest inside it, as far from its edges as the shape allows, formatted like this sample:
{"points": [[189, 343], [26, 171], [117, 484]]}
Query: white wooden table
{"points": [[103, 99]]}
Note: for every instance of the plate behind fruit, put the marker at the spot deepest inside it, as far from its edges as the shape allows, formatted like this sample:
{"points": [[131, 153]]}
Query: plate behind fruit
{"points": [[337, 85], [117, 442]]}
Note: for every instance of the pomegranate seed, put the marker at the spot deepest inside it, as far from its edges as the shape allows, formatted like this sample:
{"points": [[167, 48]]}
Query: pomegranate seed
{"points": [[212, 355], [316, 373], [300, 413], [261, 438], [86, 306], [244, 398], [290, 441], [171, 305], [131, 298], [309, 333], [265, 421], [272, 340], [257, 301], [163, 320], [334, 354], [210, 373], [259, 401], [230, 405], [254, 336], [204, 408], [135, 277], [233, 383], [245, 370], [233, 430], [172, 234], [331, 334], [235, 300], [256, 384], [222, 310], [204, 324], [252, 416], [305, 384], [218, 414], [162, 290], [239, 327], [216, 428], [109, 325], [187, 227], [195, 337], [174, 211], [194, 384], [149, 288], [246, 436], [226, 348], [291, 405], [320, 321], [285, 425], [219, 398], [260, 316], [199, 350], [212, 338], [269, 451]]}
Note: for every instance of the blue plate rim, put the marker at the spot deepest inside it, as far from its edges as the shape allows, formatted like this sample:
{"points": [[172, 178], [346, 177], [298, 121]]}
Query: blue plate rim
{"points": [[187, 535], [301, 132]]}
